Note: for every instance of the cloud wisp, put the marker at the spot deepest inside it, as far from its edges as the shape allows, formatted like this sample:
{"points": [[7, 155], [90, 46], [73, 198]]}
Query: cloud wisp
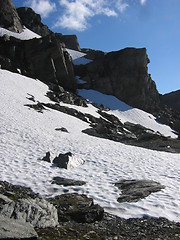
{"points": [[43, 7], [75, 14], [78, 12]]}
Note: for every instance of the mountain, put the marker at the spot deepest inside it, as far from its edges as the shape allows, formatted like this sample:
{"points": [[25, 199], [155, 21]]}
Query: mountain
{"points": [[79, 160]]}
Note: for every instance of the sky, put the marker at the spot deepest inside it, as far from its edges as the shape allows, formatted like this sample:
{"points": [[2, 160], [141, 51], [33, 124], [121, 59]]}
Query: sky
{"points": [[112, 25]]}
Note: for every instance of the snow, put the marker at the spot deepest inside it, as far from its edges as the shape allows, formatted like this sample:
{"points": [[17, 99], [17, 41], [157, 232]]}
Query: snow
{"points": [[126, 113], [78, 57], [26, 34], [26, 135]]}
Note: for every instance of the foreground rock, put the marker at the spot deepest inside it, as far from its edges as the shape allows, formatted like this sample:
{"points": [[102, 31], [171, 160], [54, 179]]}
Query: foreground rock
{"points": [[135, 190], [78, 208], [16, 229], [82, 221]]}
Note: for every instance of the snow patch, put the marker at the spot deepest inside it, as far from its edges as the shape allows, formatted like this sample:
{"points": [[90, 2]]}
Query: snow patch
{"points": [[26, 34]]}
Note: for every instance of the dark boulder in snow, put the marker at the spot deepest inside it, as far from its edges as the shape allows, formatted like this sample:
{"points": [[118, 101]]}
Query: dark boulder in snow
{"points": [[67, 182], [9, 18], [78, 208], [135, 190]]}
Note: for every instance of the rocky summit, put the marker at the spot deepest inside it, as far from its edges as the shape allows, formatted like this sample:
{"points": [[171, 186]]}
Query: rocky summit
{"points": [[89, 148]]}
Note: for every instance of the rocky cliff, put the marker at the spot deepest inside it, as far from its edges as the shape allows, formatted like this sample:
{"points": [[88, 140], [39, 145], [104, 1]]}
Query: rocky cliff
{"points": [[172, 99], [9, 18], [123, 74]]}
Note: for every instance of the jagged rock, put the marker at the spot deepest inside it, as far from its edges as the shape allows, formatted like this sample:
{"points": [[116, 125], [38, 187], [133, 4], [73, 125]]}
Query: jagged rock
{"points": [[9, 18], [78, 208], [67, 182], [16, 229], [32, 21], [39, 212], [70, 41], [67, 97], [122, 74], [135, 190], [92, 54], [43, 58], [48, 158], [67, 161], [172, 100]]}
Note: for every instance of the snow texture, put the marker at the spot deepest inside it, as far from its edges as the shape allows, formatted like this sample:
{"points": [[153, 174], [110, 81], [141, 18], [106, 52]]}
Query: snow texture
{"points": [[26, 135], [26, 34]]}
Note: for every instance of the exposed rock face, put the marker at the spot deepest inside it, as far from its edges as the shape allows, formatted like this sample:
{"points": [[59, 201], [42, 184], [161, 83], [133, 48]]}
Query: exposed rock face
{"points": [[172, 100], [16, 229], [43, 58], [123, 74], [38, 212], [9, 18], [32, 21], [70, 41], [134, 190]]}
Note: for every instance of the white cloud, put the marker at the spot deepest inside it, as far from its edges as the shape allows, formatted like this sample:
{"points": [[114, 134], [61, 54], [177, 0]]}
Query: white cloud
{"points": [[43, 7], [78, 12], [143, 2], [121, 6]]}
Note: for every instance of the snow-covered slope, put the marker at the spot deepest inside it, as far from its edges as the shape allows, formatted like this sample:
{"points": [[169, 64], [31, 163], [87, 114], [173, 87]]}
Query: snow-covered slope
{"points": [[26, 34], [26, 135], [126, 113]]}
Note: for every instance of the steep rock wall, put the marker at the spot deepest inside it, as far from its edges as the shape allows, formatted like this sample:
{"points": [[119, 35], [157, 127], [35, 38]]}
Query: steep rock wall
{"points": [[123, 74]]}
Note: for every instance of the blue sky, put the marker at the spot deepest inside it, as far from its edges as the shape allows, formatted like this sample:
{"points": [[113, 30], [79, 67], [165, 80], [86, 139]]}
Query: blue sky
{"points": [[112, 25]]}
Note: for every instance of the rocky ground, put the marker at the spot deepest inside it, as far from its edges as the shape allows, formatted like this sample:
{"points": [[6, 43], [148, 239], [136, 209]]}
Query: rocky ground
{"points": [[78, 218]]}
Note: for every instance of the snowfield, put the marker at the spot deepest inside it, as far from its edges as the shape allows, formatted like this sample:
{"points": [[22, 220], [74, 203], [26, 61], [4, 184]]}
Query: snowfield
{"points": [[26, 135]]}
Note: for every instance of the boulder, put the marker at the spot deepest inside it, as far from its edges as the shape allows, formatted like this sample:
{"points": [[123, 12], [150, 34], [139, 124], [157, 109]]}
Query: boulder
{"points": [[67, 182], [135, 190], [16, 229], [39, 212], [77, 207], [9, 18], [67, 161]]}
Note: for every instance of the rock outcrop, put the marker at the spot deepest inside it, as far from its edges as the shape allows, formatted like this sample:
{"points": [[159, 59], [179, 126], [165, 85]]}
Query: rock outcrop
{"points": [[32, 21], [9, 18], [45, 59], [70, 41], [172, 100], [123, 74], [135, 190]]}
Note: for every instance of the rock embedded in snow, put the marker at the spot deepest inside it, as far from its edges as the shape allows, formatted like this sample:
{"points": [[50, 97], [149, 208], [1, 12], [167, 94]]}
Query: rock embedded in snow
{"points": [[68, 161], [49, 157], [77, 207], [67, 182], [135, 190]]}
